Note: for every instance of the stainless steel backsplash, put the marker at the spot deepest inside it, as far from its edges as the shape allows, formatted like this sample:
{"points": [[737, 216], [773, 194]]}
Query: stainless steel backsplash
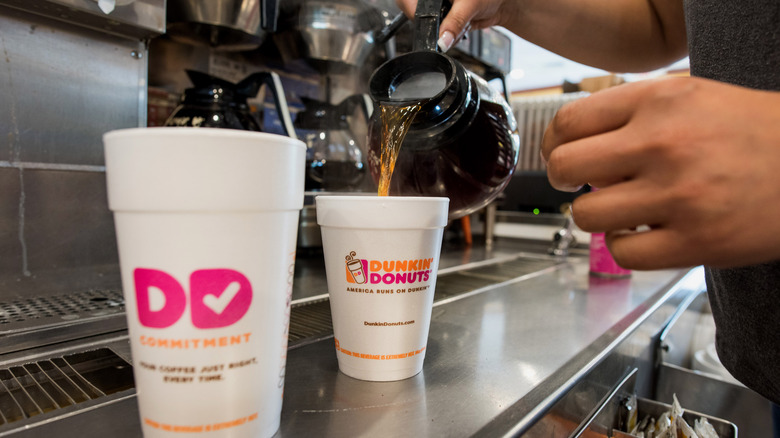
{"points": [[61, 87], [68, 74]]}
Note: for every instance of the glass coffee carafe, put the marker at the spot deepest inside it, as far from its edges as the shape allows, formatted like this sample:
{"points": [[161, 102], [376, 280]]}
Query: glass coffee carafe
{"points": [[334, 160], [217, 103], [463, 141]]}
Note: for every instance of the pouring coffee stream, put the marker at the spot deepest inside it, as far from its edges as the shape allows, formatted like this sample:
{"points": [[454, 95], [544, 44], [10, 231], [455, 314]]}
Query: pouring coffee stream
{"points": [[461, 138], [395, 124]]}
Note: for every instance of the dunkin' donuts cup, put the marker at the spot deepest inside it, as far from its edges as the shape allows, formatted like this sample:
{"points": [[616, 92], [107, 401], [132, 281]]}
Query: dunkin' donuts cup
{"points": [[381, 259], [206, 222]]}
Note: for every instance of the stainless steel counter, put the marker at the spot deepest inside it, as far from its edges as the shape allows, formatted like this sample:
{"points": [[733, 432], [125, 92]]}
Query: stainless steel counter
{"points": [[504, 352], [486, 352]]}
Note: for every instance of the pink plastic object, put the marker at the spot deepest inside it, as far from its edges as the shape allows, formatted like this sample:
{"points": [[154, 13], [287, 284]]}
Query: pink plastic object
{"points": [[601, 261]]}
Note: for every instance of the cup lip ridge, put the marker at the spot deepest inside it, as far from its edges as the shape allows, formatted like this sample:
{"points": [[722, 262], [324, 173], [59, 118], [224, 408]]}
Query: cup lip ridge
{"points": [[211, 132], [387, 212], [377, 198], [128, 152]]}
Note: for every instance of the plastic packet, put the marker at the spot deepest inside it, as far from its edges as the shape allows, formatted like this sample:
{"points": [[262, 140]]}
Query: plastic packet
{"points": [[671, 424], [663, 425], [633, 415], [650, 428], [640, 427], [684, 430], [704, 429], [675, 415], [679, 425]]}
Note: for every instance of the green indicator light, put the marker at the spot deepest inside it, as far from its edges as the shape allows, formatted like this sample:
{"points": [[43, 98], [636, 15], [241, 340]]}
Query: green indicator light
{"points": [[536, 211]]}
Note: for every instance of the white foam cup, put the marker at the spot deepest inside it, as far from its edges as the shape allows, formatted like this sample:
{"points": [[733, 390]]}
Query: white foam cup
{"points": [[381, 259], [206, 222]]}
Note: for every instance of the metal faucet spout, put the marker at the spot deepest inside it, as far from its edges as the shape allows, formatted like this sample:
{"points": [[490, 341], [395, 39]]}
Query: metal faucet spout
{"points": [[564, 238]]}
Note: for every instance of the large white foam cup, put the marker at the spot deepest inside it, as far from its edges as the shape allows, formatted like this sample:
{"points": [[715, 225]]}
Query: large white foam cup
{"points": [[381, 259], [206, 222]]}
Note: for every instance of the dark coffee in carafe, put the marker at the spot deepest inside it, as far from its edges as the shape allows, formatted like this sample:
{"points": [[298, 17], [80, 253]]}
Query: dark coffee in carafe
{"points": [[462, 142]]}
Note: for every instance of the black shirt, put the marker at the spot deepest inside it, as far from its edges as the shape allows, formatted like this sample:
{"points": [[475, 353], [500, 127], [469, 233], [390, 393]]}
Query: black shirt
{"points": [[739, 42]]}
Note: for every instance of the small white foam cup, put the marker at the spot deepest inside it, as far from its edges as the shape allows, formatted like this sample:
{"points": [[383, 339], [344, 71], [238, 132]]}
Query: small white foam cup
{"points": [[381, 259], [206, 223]]}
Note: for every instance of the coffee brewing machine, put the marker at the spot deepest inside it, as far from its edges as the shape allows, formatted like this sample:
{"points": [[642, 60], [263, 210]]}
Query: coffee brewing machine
{"points": [[324, 52]]}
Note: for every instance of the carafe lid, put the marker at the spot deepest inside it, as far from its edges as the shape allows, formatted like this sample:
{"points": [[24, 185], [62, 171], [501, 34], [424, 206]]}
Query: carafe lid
{"points": [[433, 80]]}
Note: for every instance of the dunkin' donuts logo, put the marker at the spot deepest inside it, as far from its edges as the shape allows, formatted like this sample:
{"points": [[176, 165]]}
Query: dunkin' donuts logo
{"points": [[364, 271], [217, 297]]}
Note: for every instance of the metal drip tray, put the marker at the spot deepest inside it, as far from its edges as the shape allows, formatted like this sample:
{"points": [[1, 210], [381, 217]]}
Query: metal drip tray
{"points": [[41, 382], [453, 283], [32, 390], [41, 320], [310, 320], [34, 312]]}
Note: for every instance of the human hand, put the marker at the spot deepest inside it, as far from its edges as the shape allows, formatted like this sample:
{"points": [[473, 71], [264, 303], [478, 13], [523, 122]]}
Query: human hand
{"points": [[697, 161], [466, 15]]}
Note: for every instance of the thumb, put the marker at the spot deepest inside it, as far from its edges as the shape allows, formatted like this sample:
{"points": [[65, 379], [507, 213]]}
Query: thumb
{"points": [[455, 23]]}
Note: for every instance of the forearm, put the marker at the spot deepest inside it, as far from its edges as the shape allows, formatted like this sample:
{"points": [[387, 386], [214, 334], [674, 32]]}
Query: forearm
{"points": [[615, 35]]}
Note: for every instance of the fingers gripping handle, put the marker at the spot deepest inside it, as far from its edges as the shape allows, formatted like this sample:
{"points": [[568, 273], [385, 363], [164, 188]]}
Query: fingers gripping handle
{"points": [[427, 18]]}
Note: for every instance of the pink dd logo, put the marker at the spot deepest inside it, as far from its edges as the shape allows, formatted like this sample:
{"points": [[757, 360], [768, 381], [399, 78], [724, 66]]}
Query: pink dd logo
{"points": [[219, 297]]}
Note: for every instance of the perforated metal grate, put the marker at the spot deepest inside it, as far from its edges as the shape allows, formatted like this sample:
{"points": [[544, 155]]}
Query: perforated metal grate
{"points": [[69, 306]]}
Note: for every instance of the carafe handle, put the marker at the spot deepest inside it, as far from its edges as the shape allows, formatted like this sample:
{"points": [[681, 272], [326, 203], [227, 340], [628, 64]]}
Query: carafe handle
{"points": [[427, 18], [269, 13], [362, 101], [251, 85], [389, 31]]}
